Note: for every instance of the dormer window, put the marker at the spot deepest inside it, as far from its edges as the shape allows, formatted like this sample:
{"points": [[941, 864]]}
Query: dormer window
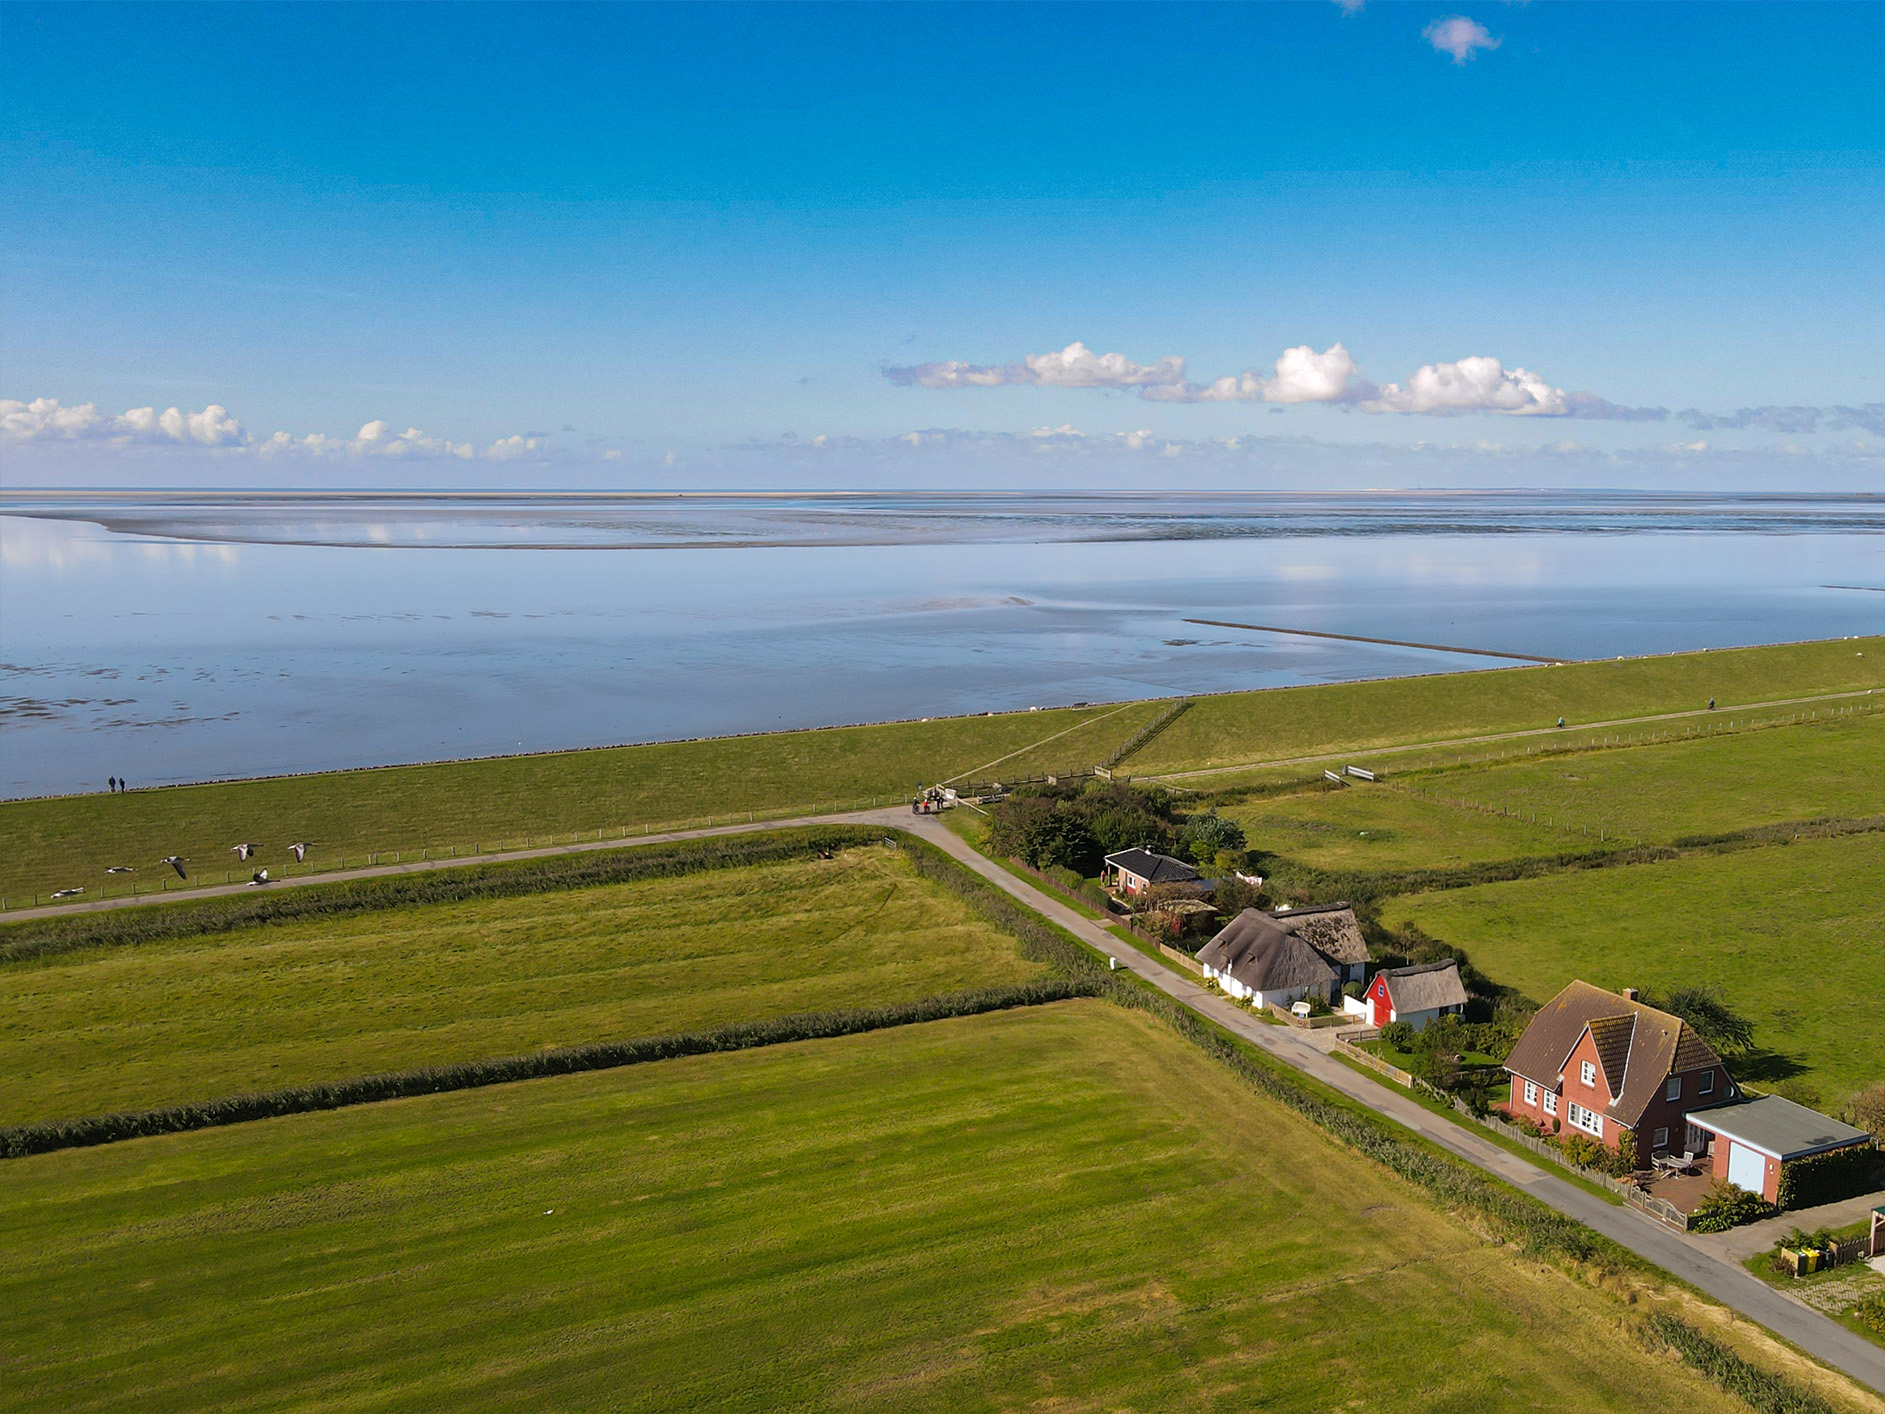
{"points": [[1587, 1072], [1674, 1089]]}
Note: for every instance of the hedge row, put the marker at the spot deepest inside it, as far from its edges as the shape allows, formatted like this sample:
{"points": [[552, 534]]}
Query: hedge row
{"points": [[1828, 1177], [21, 1140], [1760, 1388], [160, 922]]}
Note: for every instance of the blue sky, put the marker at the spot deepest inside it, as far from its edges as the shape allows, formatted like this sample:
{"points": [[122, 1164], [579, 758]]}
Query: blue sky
{"points": [[546, 235]]}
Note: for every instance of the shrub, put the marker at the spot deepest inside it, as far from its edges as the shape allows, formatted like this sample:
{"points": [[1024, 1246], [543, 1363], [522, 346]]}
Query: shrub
{"points": [[1725, 1206], [1354, 989], [1871, 1312], [1714, 1020], [1399, 1034], [1761, 1389], [1828, 1177]]}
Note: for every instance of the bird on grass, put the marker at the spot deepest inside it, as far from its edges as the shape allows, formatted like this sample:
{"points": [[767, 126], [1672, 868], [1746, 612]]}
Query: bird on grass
{"points": [[243, 851], [260, 876], [301, 851], [175, 861]]}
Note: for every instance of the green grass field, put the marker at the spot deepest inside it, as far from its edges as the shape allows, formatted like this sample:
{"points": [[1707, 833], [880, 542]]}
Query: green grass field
{"points": [[1711, 785], [1789, 934], [70, 841], [1066, 1208], [1369, 828], [1368, 716], [138, 1027]]}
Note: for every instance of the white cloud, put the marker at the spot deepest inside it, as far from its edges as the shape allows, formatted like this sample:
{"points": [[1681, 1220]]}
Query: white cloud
{"points": [[1471, 385], [1075, 366], [48, 420], [1460, 37], [1300, 375]]}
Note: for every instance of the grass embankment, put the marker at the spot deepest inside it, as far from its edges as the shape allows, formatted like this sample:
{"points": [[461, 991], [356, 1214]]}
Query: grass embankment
{"points": [[1665, 793], [326, 998], [70, 841], [1787, 934], [1367, 716], [1068, 1205]]}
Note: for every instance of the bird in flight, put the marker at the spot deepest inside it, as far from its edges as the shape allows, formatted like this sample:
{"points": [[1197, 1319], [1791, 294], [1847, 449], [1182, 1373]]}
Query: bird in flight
{"points": [[243, 851], [301, 850], [122, 869], [67, 893], [175, 861]]}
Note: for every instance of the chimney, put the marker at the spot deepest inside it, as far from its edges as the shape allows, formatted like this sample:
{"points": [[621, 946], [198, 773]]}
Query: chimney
{"points": [[1629, 994]]}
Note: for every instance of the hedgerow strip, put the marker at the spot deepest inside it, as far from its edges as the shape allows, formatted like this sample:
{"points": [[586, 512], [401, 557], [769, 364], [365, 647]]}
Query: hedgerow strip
{"points": [[162, 922], [1764, 1390], [22, 1140]]}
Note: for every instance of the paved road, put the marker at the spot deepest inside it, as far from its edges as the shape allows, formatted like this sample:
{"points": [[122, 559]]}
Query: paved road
{"points": [[1683, 1256]]}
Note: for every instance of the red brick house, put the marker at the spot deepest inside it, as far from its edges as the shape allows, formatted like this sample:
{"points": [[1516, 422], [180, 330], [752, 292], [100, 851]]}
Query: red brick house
{"points": [[1606, 1065], [1133, 871]]}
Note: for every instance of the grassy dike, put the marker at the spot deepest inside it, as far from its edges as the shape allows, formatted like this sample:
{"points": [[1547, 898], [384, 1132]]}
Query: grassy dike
{"points": [[69, 841]]}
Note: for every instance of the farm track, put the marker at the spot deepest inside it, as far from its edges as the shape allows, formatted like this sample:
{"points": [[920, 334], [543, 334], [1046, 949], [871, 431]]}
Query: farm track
{"points": [[1682, 1256]]}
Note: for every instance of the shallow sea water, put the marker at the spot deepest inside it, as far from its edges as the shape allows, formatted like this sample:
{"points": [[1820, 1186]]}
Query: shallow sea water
{"points": [[172, 638]]}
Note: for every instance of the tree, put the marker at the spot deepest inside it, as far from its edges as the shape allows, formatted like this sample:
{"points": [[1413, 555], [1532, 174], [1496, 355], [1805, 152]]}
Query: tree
{"points": [[1714, 1020], [1061, 839], [1206, 834], [1867, 1111]]}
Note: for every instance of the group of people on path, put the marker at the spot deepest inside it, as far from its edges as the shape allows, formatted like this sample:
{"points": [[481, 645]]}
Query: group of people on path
{"points": [[117, 784]]}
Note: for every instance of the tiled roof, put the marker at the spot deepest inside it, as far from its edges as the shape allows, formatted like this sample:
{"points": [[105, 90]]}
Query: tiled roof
{"points": [[1638, 1045], [1153, 868]]}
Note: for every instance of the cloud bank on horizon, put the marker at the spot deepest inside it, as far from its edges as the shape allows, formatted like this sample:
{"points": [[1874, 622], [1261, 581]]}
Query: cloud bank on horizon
{"points": [[1477, 384]]}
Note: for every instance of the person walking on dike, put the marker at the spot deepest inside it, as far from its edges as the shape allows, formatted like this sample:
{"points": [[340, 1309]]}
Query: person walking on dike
{"points": [[111, 784]]}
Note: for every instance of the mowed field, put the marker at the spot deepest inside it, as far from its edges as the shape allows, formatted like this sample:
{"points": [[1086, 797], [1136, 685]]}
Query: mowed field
{"points": [[1375, 827], [1707, 786], [70, 841], [135, 1027], [1062, 1207], [1789, 934]]}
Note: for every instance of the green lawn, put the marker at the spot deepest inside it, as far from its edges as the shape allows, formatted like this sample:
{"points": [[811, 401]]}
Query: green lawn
{"points": [[1705, 786], [1365, 716], [1789, 934], [70, 841], [1377, 828], [1066, 1208], [137, 1027]]}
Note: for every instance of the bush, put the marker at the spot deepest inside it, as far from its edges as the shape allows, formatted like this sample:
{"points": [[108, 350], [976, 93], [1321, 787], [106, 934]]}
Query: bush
{"points": [[1354, 989], [1871, 1312], [1828, 1177], [1399, 1034], [1764, 1391], [1725, 1206]]}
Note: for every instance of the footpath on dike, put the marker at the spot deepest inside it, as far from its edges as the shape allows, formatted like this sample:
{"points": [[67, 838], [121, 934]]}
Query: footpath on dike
{"points": [[1682, 1255]]}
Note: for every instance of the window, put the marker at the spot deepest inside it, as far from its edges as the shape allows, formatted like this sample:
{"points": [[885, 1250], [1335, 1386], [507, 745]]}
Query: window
{"points": [[1585, 1120], [1674, 1090], [1551, 1102], [1662, 1141], [1587, 1072], [1531, 1093], [1707, 1085]]}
